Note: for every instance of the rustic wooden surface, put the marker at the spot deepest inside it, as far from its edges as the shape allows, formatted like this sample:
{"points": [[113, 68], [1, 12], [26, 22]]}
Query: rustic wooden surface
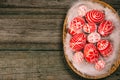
{"points": [[31, 40]]}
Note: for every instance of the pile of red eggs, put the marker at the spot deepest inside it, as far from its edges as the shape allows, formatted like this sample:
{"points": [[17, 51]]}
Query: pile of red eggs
{"points": [[88, 40]]}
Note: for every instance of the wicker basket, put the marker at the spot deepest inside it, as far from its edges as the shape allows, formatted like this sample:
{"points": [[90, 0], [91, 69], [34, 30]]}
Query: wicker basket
{"points": [[114, 66]]}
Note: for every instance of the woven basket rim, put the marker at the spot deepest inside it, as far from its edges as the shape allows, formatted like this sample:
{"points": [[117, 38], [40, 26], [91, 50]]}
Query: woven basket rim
{"points": [[115, 64]]}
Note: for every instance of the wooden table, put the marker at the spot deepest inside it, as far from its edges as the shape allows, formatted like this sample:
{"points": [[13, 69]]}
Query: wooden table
{"points": [[31, 40]]}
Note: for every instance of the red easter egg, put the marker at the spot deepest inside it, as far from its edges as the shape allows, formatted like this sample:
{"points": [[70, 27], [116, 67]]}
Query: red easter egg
{"points": [[105, 47], [106, 28], [108, 51], [76, 25], [103, 44], [82, 9], [95, 16], [91, 53], [89, 27], [100, 65], [78, 41], [78, 57], [93, 37]]}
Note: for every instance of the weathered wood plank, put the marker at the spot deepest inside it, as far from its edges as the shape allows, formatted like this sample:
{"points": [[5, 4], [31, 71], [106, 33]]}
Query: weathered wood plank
{"points": [[43, 36], [33, 24], [38, 65], [31, 11], [21, 16], [30, 46], [31, 30], [37, 3], [45, 3]]}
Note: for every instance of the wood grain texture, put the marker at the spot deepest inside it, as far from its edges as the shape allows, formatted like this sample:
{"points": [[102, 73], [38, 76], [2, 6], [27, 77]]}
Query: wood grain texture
{"points": [[31, 34], [31, 40], [29, 30], [30, 65], [37, 3], [38, 65]]}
